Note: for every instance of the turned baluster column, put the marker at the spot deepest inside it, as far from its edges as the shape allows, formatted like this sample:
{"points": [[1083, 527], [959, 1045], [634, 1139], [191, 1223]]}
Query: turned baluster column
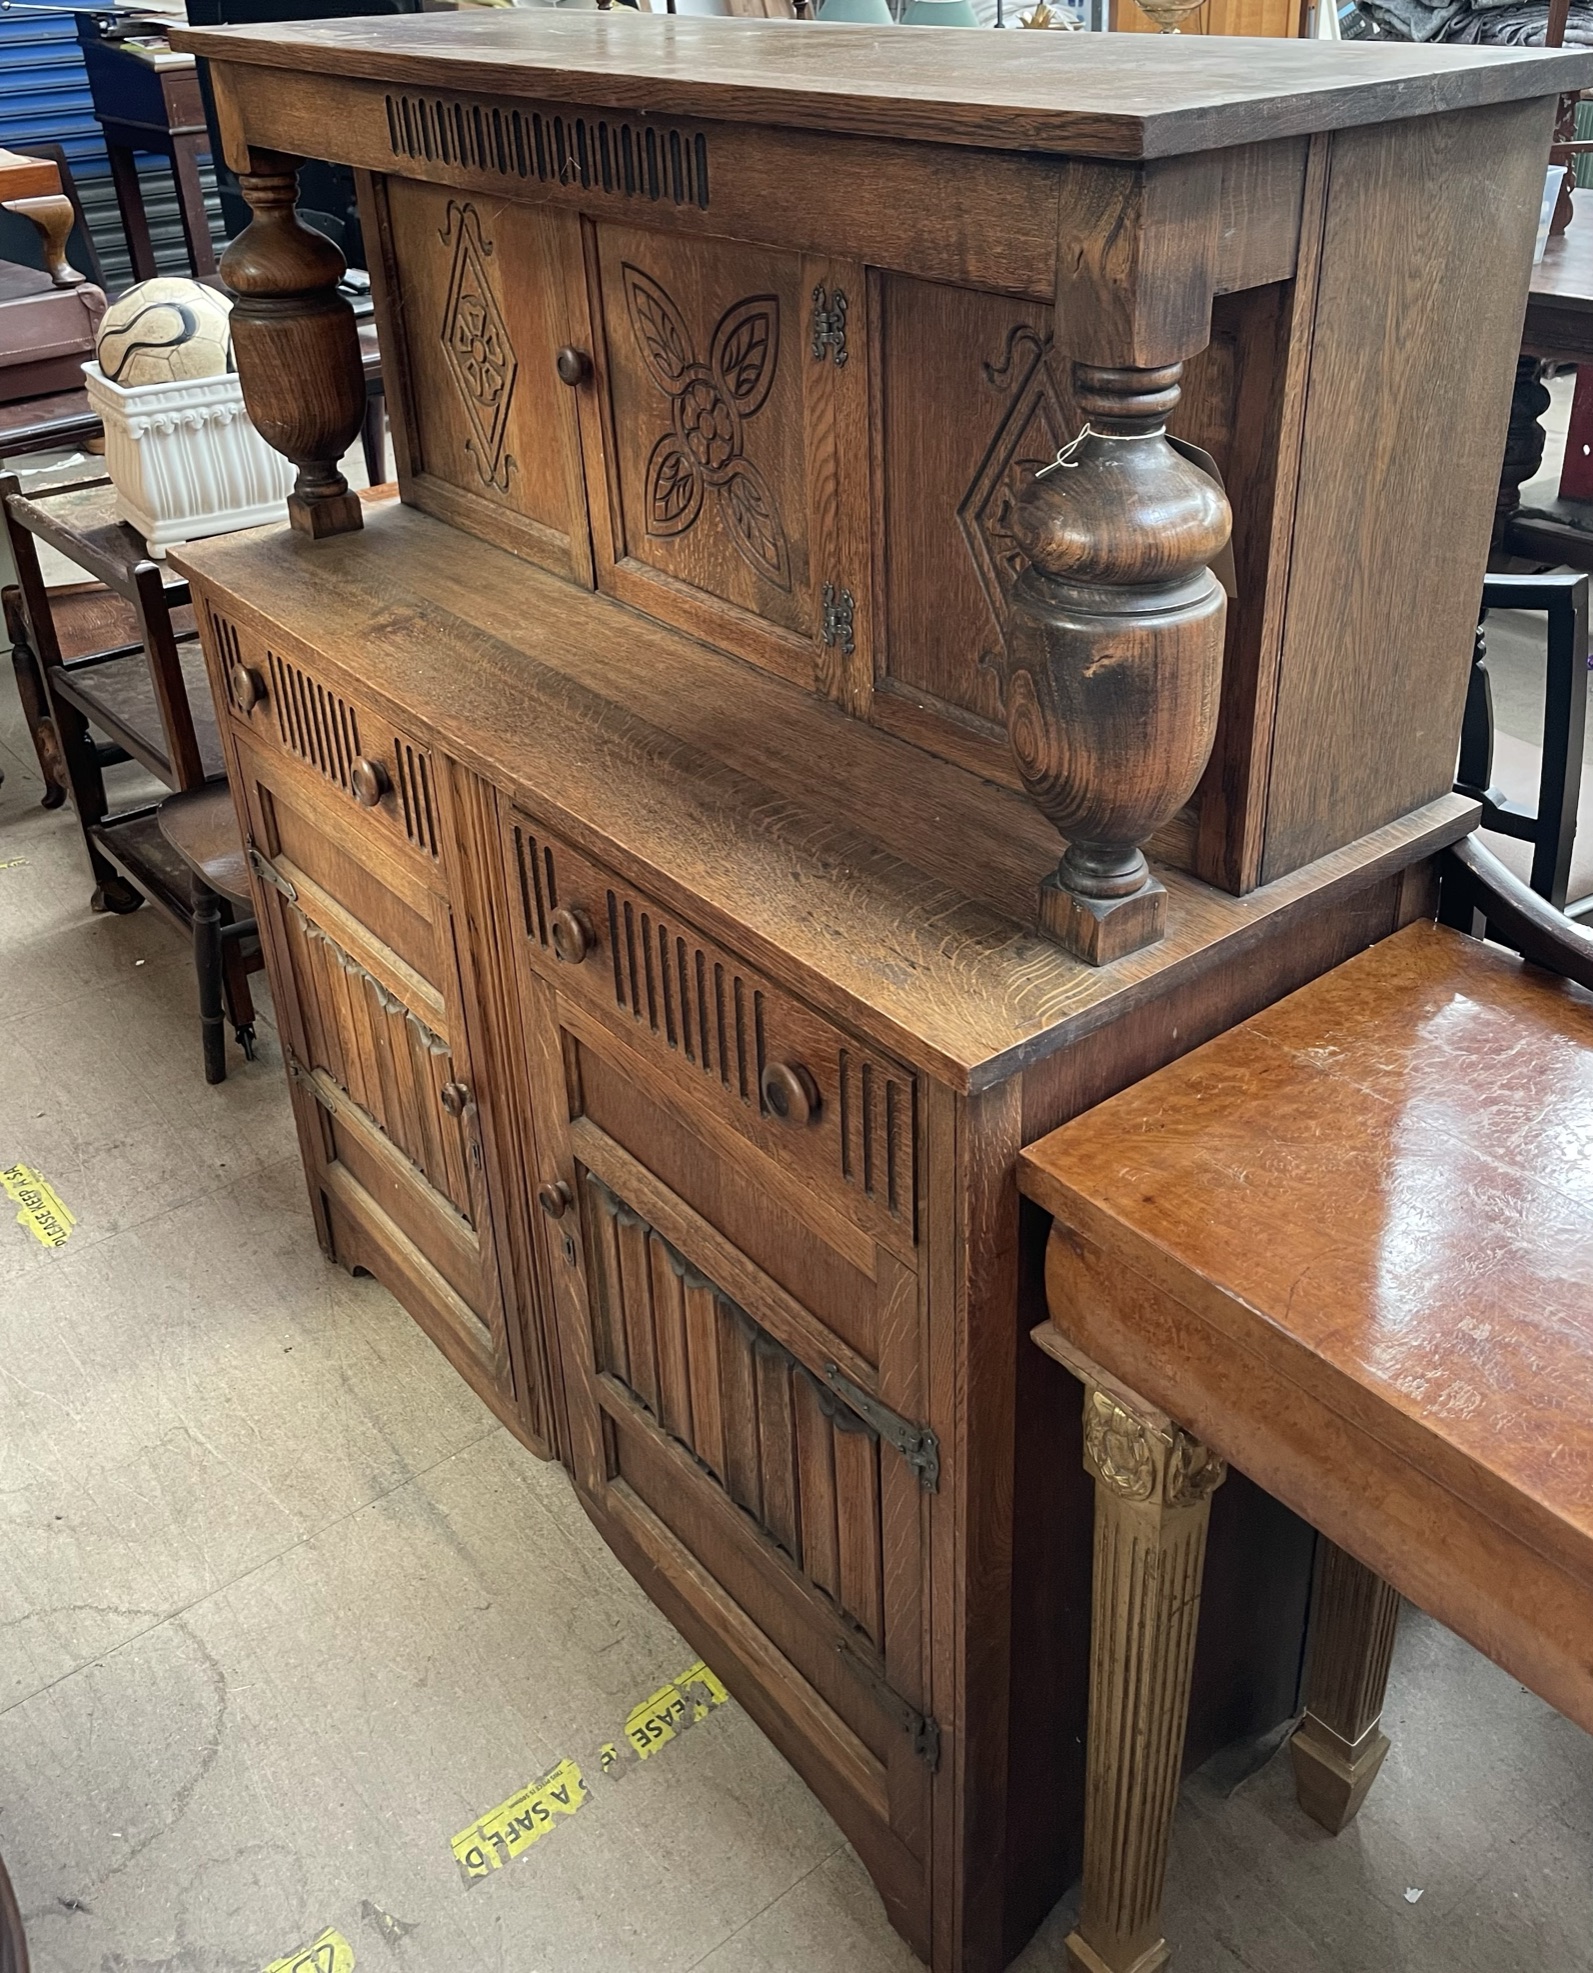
{"points": [[1153, 1488], [1114, 653], [296, 344]]}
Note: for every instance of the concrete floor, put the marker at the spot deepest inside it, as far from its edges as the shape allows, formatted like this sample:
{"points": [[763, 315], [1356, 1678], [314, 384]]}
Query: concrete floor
{"points": [[285, 1611]]}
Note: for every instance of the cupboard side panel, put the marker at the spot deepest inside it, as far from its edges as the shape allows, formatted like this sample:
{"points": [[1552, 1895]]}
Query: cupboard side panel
{"points": [[1395, 504]]}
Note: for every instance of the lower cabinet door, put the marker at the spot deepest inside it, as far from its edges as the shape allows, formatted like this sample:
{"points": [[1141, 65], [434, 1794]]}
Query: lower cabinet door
{"points": [[759, 1489], [363, 976]]}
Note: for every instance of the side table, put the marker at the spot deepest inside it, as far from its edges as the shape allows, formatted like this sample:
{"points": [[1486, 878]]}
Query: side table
{"points": [[121, 654], [147, 99]]}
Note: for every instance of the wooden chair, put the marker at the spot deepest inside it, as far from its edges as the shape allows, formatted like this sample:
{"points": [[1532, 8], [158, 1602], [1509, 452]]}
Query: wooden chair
{"points": [[1342, 1247], [1550, 826], [120, 656]]}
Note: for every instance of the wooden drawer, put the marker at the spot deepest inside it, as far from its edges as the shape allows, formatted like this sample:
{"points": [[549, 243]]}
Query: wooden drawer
{"points": [[745, 1048], [385, 778]]}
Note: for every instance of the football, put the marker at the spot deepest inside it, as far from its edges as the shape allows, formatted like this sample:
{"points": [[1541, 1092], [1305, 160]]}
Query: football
{"points": [[165, 332]]}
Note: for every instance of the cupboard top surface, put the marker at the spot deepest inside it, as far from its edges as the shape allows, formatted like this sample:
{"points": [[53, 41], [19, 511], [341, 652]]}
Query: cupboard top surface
{"points": [[881, 882], [1099, 95]]}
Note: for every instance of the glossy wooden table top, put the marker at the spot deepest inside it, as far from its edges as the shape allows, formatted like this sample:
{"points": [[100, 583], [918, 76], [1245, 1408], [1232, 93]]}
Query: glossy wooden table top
{"points": [[1351, 1243]]}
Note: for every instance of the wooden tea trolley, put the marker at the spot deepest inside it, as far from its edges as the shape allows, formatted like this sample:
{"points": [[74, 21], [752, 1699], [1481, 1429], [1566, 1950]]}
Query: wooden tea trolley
{"points": [[657, 812]]}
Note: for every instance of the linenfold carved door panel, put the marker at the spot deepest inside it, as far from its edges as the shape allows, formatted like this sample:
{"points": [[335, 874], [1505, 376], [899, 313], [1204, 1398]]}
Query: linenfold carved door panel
{"points": [[361, 950], [744, 1406], [485, 430], [717, 399]]}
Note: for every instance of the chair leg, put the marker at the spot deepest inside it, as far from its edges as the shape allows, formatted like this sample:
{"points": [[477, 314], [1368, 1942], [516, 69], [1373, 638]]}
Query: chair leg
{"points": [[130, 204], [1153, 1488], [35, 707], [373, 438], [1339, 1745], [207, 965], [235, 984]]}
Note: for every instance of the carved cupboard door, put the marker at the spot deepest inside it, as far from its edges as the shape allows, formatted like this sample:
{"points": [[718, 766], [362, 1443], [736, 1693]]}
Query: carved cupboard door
{"points": [[729, 1201], [484, 425], [359, 938], [730, 503]]}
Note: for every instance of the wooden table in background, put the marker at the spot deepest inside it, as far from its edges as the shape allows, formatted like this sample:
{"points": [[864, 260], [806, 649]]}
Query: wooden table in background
{"points": [[1558, 329]]}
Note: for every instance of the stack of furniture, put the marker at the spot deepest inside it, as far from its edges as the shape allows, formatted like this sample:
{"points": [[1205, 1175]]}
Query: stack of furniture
{"points": [[655, 813]]}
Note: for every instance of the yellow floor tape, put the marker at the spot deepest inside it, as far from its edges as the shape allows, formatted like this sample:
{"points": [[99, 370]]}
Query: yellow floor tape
{"points": [[509, 1830], [39, 1206], [331, 1953]]}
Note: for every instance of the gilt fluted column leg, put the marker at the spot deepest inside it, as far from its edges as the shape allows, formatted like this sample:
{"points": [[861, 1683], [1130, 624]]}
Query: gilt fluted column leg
{"points": [[1153, 1488], [1339, 1745]]}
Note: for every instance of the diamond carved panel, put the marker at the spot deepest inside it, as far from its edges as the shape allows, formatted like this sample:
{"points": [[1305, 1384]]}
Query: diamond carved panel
{"points": [[1026, 439], [476, 343]]}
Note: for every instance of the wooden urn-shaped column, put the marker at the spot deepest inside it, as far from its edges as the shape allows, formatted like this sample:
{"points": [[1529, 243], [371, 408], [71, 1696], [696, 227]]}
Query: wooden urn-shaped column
{"points": [[1114, 653], [297, 345]]}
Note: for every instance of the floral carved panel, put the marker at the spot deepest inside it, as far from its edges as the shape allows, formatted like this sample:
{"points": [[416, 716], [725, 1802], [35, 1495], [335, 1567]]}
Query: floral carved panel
{"points": [[701, 459]]}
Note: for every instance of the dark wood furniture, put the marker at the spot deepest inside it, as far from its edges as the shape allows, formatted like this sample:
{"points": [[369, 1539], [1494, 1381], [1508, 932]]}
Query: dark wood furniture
{"points": [[119, 656], [670, 961], [1549, 825], [200, 825], [47, 317], [1558, 328], [31, 188], [13, 1943], [147, 99], [1348, 1248]]}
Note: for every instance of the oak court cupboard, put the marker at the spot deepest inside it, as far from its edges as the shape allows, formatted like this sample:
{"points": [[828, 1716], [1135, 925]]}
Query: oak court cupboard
{"points": [[655, 810]]}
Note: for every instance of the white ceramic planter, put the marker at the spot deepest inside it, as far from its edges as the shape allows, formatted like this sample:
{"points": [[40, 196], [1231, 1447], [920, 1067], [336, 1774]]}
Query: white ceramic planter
{"points": [[185, 459]]}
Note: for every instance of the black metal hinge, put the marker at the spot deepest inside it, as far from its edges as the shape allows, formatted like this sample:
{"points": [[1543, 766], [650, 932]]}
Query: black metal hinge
{"points": [[836, 624], [301, 1074], [916, 1443], [268, 873], [919, 1727], [829, 325]]}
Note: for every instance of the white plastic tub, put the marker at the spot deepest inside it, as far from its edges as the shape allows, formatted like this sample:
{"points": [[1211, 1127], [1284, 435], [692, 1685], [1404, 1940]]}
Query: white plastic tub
{"points": [[185, 459]]}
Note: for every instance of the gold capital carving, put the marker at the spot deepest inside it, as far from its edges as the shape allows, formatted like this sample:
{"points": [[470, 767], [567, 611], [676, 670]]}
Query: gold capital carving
{"points": [[1137, 1459]]}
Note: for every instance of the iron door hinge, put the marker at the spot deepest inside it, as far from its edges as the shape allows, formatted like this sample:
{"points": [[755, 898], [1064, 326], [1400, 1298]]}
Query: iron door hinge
{"points": [[829, 325], [916, 1443], [268, 873], [301, 1074], [919, 1727], [836, 624]]}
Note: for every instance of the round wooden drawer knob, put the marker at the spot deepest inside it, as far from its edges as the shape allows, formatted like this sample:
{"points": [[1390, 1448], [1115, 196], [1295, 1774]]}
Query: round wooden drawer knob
{"points": [[455, 1098], [247, 687], [573, 365], [555, 1198], [367, 781], [573, 936], [789, 1093]]}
